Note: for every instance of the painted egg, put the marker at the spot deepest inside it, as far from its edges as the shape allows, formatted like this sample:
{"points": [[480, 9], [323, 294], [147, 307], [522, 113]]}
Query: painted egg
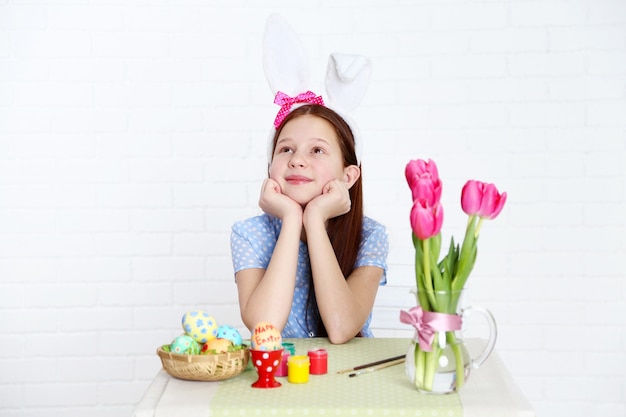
{"points": [[230, 333], [200, 325], [266, 337], [217, 345], [185, 344]]}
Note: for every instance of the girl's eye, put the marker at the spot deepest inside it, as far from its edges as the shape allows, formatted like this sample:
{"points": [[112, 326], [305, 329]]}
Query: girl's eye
{"points": [[318, 150], [285, 150]]}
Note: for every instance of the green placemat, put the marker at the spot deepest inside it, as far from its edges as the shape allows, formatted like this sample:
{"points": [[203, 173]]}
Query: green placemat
{"points": [[386, 392]]}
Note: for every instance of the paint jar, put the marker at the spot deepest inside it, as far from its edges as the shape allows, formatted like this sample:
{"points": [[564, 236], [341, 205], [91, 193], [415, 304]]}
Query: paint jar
{"points": [[319, 361], [290, 347], [298, 369], [282, 368]]}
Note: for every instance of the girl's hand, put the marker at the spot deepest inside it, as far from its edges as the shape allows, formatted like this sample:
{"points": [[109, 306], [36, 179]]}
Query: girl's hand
{"points": [[273, 202], [334, 201]]}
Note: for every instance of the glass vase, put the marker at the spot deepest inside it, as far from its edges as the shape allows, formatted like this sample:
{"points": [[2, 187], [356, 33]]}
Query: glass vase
{"points": [[443, 365]]}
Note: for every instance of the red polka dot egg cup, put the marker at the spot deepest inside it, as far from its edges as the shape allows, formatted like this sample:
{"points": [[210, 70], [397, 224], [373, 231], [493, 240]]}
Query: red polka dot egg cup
{"points": [[266, 363]]}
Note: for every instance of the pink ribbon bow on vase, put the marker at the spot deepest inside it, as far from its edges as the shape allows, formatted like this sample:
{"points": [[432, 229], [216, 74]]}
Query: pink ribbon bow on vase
{"points": [[426, 323], [286, 102]]}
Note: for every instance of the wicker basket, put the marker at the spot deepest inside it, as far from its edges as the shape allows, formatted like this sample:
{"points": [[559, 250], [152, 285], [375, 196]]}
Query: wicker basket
{"points": [[204, 367]]}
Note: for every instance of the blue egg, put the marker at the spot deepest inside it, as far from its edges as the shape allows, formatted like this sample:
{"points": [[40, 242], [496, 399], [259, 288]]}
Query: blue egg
{"points": [[230, 333]]}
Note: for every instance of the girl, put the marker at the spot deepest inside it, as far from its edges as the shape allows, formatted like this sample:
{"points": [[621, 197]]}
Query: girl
{"points": [[312, 263]]}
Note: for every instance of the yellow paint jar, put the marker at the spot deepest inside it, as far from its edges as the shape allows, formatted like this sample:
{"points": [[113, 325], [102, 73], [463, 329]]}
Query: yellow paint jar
{"points": [[298, 369]]}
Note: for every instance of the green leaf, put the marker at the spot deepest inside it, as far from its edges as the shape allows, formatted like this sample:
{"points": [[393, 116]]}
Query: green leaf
{"points": [[435, 247], [434, 250]]}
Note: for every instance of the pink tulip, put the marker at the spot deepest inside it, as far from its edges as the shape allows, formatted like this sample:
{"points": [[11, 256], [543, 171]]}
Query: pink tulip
{"points": [[426, 220], [423, 180], [482, 199]]}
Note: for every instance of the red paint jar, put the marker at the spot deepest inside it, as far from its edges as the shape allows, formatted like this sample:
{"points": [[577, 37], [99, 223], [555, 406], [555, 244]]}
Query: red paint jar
{"points": [[319, 361]]}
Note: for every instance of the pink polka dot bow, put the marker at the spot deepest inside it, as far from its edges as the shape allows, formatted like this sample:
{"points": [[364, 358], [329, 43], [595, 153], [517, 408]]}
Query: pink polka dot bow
{"points": [[286, 102]]}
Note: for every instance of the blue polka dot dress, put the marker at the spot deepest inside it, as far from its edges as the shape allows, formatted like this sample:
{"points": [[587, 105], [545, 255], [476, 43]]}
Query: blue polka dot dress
{"points": [[252, 244]]}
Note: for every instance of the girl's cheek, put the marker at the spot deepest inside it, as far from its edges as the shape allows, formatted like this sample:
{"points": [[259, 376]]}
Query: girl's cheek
{"points": [[273, 173]]}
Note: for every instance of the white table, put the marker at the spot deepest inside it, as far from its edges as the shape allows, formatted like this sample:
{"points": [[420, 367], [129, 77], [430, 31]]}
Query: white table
{"points": [[489, 392]]}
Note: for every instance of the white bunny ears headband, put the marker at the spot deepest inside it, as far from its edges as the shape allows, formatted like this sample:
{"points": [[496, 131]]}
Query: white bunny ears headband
{"points": [[287, 72]]}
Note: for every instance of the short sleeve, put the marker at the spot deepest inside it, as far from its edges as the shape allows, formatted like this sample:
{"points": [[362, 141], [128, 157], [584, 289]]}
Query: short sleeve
{"points": [[252, 243], [374, 247]]}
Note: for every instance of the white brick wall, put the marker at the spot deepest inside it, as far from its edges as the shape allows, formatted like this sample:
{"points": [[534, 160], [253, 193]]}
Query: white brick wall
{"points": [[132, 134]]}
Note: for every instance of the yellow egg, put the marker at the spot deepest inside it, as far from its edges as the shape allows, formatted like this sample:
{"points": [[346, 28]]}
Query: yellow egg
{"points": [[200, 325], [266, 337]]}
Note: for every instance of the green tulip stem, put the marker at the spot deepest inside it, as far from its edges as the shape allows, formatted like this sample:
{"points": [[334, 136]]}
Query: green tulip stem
{"points": [[428, 283], [478, 226], [420, 360], [432, 359], [458, 359]]}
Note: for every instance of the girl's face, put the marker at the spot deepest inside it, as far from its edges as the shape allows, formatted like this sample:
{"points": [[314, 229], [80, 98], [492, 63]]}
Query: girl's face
{"points": [[307, 156]]}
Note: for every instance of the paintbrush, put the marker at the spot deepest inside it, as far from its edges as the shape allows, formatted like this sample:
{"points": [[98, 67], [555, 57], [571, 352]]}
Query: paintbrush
{"points": [[367, 365], [377, 367]]}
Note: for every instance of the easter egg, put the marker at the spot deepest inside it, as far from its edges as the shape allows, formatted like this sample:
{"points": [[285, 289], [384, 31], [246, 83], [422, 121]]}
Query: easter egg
{"points": [[217, 345], [200, 325], [185, 344], [230, 333], [266, 337]]}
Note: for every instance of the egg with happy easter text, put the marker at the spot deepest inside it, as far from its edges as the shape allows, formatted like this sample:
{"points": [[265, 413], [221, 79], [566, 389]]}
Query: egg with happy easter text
{"points": [[200, 325], [266, 337], [229, 332], [185, 344]]}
